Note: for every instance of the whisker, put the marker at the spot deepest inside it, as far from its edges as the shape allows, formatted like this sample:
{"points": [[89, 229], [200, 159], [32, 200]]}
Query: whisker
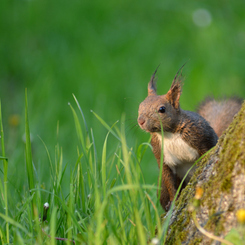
{"points": [[132, 130], [131, 125]]}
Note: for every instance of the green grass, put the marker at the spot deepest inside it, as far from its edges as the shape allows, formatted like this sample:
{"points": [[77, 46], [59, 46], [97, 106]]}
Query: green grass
{"points": [[105, 54], [4, 191], [108, 201]]}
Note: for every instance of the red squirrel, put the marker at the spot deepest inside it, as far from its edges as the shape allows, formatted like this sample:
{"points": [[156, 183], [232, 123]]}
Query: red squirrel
{"points": [[187, 135]]}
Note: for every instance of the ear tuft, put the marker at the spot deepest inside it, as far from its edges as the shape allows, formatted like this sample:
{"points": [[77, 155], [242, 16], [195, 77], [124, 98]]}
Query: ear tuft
{"points": [[174, 93], [152, 89]]}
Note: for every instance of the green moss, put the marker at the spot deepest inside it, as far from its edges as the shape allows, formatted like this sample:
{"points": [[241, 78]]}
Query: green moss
{"points": [[226, 184], [215, 223], [196, 241]]}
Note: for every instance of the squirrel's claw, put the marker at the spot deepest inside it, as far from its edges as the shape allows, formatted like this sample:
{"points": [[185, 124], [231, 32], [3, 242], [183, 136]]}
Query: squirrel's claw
{"points": [[167, 207]]}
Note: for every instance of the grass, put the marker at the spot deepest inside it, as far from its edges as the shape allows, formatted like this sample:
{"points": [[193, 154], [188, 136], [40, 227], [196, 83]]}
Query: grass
{"points": [[105, 54], [4, 191], [108, 201]]}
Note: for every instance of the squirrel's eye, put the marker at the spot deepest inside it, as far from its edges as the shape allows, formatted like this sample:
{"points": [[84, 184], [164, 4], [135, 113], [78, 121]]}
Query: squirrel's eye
{"points": [[162, 109]]}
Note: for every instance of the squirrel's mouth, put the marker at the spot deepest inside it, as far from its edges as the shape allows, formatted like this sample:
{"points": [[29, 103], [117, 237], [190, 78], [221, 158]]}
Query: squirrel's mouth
{"points": [[154, 129], [150, 130]]}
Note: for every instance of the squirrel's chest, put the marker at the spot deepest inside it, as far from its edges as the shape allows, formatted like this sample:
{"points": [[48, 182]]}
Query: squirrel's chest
{"points": [[178, 155]]}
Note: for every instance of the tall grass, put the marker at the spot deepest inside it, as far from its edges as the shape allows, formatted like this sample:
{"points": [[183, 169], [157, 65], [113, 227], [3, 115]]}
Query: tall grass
{"points": [[108, 201], [4, 191]]}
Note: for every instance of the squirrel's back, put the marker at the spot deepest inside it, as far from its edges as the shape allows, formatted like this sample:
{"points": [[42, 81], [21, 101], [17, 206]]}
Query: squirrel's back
{"points": [[219, 113]]}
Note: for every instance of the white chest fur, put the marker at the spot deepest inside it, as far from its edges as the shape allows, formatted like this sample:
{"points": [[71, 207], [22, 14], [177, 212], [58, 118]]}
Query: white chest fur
{"points": [[178, 155]]}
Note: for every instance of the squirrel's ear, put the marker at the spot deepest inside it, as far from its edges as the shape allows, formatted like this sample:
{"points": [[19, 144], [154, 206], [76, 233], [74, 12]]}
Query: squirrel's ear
{"points": [[173, 95], [152, 89]]}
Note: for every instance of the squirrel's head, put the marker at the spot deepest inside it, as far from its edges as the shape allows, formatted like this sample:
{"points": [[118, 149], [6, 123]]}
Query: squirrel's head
{"points": [[161, 109]]}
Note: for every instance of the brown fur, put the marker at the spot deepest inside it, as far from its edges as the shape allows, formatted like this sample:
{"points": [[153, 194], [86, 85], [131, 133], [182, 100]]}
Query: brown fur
{"points": [[219, 113]]}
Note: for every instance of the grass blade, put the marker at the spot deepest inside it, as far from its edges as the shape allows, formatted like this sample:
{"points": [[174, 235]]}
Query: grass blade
{"points": [[28, 151], [103, 164], [5, 169], [140, 228], [16, 224], [79, 107], [78, 128], [106, 125], [53, 226]]}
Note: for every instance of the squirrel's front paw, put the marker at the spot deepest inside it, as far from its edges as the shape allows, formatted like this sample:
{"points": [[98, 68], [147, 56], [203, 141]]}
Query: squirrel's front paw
{"points": [[167, 207]]}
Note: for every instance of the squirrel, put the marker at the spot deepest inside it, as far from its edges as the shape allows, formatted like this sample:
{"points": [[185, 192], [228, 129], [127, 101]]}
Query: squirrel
{"points": [[187, 134]]}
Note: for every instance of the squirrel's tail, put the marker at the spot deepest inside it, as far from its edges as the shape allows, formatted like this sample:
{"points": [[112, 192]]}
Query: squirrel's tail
{"points": [[220, 113]]}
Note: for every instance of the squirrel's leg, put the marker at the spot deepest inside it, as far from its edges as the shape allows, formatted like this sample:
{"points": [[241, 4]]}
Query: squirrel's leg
{"points": [[164, 197], [169, 187]]}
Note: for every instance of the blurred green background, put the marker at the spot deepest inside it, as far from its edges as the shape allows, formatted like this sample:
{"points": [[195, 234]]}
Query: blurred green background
{"points": [[105, 53]]}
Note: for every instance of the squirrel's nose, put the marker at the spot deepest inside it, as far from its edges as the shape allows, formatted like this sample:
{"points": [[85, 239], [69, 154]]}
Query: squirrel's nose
{"points": [[141, 121]]}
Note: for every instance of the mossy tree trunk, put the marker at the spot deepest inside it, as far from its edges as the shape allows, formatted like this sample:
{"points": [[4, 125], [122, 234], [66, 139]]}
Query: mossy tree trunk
{"points": [[221, 175]]}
